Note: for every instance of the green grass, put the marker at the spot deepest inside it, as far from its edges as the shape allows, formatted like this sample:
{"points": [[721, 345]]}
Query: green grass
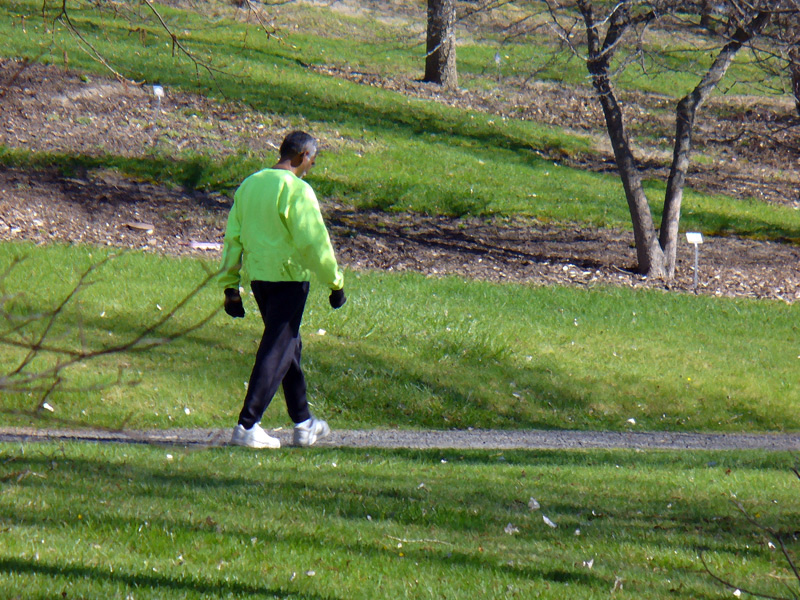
{"points": [[383, 150], [99, 521], [411, 352]]}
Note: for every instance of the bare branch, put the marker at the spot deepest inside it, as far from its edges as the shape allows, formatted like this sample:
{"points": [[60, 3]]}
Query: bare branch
{"points": [[46, 379], [128, 12], [84, 44], [177, 45], [789, 560], [254, 10], [37, 346], [564, 33], [733, 586]]}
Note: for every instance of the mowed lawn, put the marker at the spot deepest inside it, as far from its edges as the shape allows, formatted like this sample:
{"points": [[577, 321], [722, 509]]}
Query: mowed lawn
{"points": [[119, 521], [406, 351]]}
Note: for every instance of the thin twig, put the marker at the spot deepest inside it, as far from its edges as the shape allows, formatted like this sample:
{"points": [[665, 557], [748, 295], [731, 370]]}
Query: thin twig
{"points": [[63, 17]]}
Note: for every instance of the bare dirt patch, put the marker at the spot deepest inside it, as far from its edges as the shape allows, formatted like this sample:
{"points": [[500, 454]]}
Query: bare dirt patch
{"points": [[47, 109]]}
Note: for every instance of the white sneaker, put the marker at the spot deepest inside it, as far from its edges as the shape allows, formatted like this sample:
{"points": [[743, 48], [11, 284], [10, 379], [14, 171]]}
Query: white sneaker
{"points": [[308, 432], [255, 437]]}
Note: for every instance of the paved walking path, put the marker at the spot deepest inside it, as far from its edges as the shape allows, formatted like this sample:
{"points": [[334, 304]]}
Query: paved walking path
{"points": [[430, 439]]}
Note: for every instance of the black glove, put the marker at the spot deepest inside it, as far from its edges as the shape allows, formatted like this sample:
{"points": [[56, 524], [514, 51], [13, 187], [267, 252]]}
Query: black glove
{"points": [[233, 303], [337, 298]]}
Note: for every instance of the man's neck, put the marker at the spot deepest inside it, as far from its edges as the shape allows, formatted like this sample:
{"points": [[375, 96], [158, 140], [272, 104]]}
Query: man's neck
{"points": [[285, 165]]}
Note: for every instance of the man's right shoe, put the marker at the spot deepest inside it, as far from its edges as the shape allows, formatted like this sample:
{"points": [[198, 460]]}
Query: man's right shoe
{"points": [[308, 432], [255, 437]]}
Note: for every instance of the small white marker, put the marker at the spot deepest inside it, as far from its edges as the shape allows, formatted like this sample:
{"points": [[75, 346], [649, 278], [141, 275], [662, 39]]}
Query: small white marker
{"points": [[695, 238], [158, 92]]}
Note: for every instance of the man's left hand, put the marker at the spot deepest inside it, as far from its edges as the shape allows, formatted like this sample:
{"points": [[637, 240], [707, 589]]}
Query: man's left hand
{"points": [[337, 298]]}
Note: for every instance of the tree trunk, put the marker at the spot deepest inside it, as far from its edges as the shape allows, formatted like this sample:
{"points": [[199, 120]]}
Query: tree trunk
{"points": [[795, 67], [791, 25], [705, 15], [440, 57], [648, 252], [685, 116]]}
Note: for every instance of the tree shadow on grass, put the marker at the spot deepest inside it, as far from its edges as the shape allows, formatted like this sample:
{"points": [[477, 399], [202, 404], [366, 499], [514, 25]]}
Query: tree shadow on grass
{"points": [[320, 499], [414, 393], [342, 498], [447, 238], [185, 584]]}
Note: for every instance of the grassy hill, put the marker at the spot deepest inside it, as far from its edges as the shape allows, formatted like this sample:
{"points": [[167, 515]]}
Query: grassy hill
{"points": [[386, 150]]}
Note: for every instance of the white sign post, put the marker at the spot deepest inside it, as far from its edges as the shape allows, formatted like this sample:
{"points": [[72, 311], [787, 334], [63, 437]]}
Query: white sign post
{"points": [[158, 92], [695, 238]]}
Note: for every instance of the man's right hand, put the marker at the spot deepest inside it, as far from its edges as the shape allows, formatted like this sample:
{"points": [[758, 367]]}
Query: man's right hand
{"points": [[233, 303], [337, 298]]}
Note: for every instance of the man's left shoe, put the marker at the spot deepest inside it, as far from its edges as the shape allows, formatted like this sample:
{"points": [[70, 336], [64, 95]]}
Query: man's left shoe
{"points": [[308, 432]]}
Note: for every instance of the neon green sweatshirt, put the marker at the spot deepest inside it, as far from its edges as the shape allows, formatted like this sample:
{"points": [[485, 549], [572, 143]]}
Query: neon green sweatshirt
{"points": [[275, 232]]}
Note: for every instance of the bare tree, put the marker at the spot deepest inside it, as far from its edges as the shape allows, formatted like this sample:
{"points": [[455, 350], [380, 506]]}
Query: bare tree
{"points": [[44, 346], [780, 52], [440, 55], [611, 37], [789, 33]]}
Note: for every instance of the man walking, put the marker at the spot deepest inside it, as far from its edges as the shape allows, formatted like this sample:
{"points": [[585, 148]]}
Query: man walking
{"points": [[276, 234]]}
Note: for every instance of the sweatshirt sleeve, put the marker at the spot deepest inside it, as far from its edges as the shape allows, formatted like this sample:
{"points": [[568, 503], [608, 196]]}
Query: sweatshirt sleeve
{"points": [[312, 241], [231, 251]]}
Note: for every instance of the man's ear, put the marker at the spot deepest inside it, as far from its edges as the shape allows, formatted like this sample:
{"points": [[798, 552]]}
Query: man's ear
{"points": [[298, 159]]}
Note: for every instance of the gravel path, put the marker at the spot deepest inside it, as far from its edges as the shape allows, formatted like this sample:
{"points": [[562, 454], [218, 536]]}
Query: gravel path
{"points": [[455, 439]]}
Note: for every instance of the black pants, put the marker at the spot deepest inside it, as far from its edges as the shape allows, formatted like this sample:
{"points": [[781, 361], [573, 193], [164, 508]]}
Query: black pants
{"points": [[278, 358]]}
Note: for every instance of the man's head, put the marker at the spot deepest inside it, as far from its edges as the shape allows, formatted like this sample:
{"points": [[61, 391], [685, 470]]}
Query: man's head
{"points": [[300, 150]]}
